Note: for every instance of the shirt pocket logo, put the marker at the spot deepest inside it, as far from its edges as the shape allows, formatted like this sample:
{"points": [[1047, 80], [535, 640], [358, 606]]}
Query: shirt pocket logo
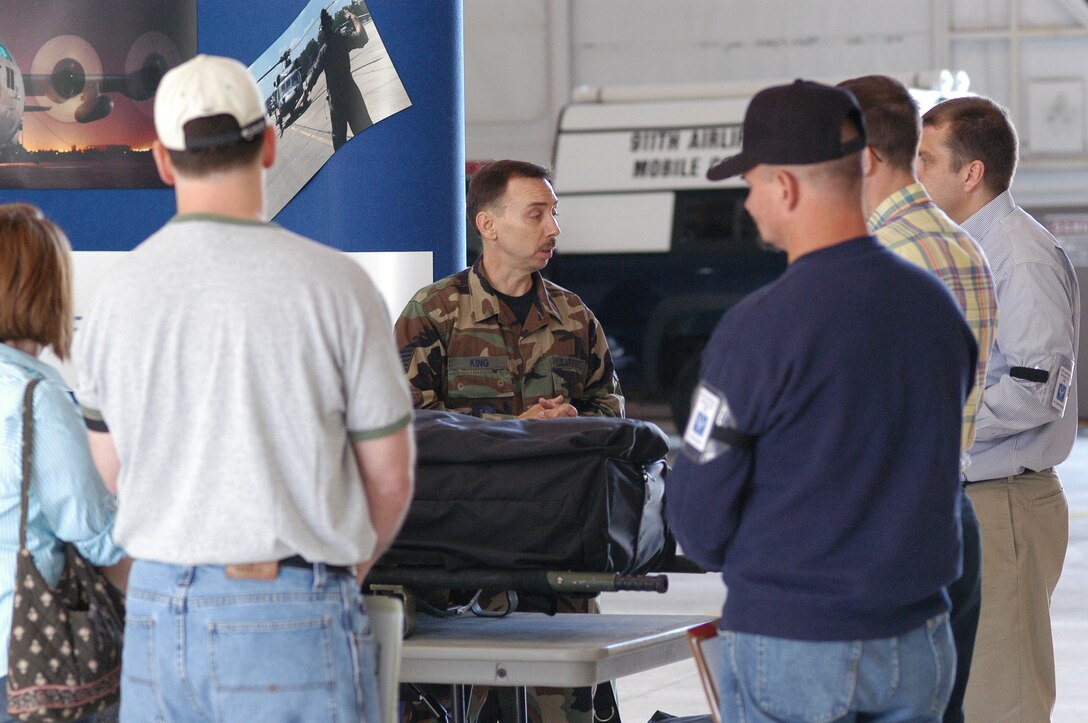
{"points": [[568, 374]]}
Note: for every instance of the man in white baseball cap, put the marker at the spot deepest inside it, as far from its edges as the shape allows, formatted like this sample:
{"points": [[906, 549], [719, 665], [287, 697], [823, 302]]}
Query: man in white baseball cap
{"points": [[246, 402]]}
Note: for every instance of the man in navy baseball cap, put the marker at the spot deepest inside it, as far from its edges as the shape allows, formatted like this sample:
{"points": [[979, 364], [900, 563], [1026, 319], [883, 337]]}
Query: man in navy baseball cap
{"points": [[819, 470]]}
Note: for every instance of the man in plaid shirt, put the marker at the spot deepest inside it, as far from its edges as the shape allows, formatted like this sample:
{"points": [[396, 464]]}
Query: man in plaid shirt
{"points": [[903, 217]]}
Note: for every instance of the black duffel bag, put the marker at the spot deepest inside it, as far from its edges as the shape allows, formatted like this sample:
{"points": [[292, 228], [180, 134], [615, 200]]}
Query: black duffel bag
{"points": [[583, 493]]}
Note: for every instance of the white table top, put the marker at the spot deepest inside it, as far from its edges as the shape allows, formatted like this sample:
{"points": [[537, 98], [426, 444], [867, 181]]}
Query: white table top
{"points": [[536, 649]]}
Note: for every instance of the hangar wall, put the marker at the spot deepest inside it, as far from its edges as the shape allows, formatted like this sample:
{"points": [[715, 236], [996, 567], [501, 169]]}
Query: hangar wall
{"points": [[523, 58]]}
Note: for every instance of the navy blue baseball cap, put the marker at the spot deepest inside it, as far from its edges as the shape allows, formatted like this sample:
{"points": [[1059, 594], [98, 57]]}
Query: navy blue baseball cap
{"points": [[794, 124]]}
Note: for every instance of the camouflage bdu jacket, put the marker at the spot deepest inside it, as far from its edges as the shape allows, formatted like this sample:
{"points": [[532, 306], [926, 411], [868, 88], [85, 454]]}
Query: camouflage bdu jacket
{"points": [[463, 350]]}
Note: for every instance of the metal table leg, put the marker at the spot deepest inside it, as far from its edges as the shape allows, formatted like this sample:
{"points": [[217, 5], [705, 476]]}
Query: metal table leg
{"points": [[460, 704], [521, 704]]}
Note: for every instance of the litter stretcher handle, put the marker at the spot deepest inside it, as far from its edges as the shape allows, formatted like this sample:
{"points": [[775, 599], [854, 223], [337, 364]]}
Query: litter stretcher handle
{"points": [[593, 582], [645, 583], [524, 581]]}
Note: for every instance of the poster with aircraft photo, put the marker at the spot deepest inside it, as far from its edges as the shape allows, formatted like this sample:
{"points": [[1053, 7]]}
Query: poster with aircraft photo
{"points": [[77, 80], [325, 80]]}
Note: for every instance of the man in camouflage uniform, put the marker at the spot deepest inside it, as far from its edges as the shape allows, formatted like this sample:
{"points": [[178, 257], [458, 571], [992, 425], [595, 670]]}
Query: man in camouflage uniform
{"points": [[499, 341]]}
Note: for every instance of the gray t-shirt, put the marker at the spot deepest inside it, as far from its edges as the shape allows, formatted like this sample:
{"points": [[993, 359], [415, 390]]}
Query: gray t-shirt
{"points": [[234, 363]]}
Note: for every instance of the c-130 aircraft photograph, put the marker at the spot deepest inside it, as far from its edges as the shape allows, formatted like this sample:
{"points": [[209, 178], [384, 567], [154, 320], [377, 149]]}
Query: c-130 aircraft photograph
{"points": [[77, 88]]}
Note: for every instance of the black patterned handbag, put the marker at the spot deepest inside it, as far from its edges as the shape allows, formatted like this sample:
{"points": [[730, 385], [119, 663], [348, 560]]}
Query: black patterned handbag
{"points": [[64, 655]]}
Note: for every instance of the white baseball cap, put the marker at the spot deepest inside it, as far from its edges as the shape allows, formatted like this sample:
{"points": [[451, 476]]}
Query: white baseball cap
{"points": [[205, 86]]}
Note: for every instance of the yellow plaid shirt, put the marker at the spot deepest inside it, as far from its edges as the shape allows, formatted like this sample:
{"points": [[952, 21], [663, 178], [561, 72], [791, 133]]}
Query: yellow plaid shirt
{"points": [[910, 224]]}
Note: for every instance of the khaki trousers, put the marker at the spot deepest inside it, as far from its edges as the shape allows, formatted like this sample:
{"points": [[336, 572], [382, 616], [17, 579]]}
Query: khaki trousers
{"points": [[1024, 522]]}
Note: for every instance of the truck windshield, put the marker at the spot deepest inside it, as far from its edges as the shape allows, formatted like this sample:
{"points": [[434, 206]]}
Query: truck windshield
{"points": [[713, 221]]}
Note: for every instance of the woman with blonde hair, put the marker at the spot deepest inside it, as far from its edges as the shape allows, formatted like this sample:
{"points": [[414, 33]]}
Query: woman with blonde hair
{"points": [[67, 501]]}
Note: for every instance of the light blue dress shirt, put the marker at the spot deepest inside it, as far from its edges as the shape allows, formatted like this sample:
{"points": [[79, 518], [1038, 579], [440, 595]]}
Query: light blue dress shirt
{"points": [[67, 499], [1020, 424]]}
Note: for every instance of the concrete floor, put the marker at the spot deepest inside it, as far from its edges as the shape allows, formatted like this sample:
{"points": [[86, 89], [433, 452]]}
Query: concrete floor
{"points": [[676, 689]]}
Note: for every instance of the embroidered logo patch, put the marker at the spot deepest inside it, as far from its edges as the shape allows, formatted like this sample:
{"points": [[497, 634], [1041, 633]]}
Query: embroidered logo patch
{"points": [[704, 410], [1061, 388]]}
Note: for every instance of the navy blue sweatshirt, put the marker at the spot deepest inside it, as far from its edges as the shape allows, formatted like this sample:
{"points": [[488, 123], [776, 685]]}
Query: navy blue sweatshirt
{"points": [[840, 519]]}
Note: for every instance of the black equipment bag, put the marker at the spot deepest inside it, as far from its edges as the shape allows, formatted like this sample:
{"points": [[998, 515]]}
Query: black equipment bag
{"points": [[582, 493]]}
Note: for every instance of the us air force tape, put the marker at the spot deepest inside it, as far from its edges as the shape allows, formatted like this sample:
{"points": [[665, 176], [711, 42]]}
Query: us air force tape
{"points": [[711, 428], [1055, 381]]}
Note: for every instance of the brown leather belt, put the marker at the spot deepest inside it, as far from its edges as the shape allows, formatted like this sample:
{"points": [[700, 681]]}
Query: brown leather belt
{"points": [[271, 570]]}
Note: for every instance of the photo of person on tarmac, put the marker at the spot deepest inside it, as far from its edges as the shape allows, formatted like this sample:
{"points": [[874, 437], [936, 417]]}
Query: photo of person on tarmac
{"points": [[328, 73], [346, 104]]}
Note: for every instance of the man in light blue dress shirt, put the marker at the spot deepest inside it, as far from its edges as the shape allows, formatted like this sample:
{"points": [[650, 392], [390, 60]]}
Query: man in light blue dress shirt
{"points": [[1028, 418]]}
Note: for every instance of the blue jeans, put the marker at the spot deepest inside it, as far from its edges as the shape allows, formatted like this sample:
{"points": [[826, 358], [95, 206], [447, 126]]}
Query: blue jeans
{"points": [[904, 678], [200, 646]]}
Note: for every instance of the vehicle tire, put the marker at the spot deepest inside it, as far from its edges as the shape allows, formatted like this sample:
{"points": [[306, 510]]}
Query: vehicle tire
{"points": [[686, 381]]}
